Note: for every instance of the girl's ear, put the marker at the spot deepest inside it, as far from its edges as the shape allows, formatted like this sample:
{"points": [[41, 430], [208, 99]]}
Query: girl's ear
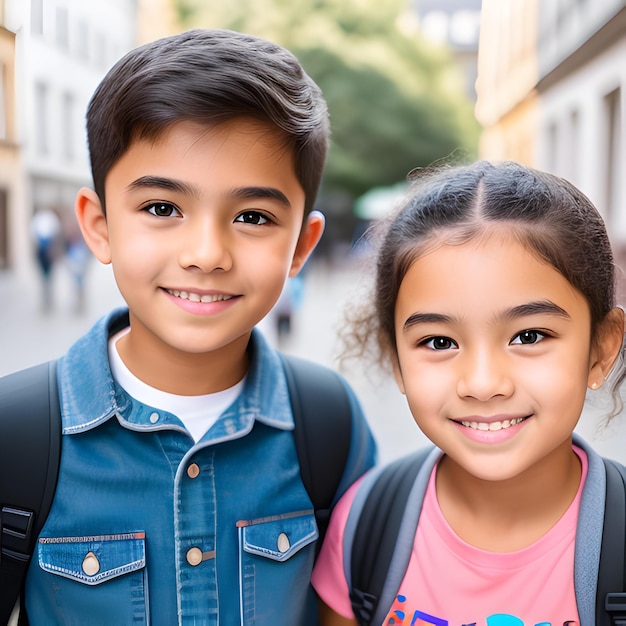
{"points": [[309, 237], [93, 224], [606, 348]]}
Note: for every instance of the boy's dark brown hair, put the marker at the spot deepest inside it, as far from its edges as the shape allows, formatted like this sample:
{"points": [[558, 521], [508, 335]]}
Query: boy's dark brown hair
{"points": [[208, 76]]}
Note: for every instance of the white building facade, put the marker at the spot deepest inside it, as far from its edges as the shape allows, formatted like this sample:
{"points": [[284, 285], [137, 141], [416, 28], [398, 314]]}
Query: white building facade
{"points": [[63, 49], [581, 87]]}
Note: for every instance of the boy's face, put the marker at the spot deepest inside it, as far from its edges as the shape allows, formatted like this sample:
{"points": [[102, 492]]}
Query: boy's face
{"points": [[202, 228]]}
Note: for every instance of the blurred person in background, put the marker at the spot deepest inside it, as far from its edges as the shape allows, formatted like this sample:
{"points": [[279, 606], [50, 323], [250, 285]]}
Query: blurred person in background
{"points": [[77, 257], [47, 235]]}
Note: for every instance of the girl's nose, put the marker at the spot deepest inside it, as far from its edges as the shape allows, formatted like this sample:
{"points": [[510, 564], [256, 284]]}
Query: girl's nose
{"points": [[483, 376]]}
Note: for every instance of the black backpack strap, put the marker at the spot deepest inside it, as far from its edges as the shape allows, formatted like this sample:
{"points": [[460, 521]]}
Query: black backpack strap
{"points": [[380, 534], [611, 593], [323, 428], [30, 446]]}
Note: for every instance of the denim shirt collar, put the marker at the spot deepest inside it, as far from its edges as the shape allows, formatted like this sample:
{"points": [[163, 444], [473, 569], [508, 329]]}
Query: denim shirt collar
{"points": [[90, 396]]}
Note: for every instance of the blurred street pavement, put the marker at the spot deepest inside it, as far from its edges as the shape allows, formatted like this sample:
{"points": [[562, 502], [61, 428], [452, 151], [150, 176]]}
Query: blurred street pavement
{"points": [[28, 336]]}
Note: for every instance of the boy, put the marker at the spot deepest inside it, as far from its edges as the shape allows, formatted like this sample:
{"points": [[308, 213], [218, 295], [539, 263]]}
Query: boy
{"points": [[178, 459]]}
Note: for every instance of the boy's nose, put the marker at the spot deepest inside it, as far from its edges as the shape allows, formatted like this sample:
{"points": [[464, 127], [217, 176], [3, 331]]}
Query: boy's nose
{"points": [[206, 247], [483, 376]]}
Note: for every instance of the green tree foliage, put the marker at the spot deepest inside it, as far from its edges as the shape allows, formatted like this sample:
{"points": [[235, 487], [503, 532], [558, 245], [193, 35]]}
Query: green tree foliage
{"points": [[395, 101]]}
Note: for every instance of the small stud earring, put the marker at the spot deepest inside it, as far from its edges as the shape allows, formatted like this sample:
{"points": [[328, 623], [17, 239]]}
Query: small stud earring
{"points": [[594, 385]]}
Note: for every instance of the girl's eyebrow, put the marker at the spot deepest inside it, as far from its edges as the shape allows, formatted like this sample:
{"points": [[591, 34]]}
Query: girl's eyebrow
{"points": [[427, 318], [538, 307], [178, 186]]}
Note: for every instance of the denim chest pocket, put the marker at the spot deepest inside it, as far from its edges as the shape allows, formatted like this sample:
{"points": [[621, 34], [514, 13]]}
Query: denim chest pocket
{"points": [[111, 572], [274, 553]]}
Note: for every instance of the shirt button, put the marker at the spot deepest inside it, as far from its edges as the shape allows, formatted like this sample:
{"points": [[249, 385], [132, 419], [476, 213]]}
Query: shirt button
{"points": [[154, 418], [91, 565], [194, 556], [283, 543], [193, 470]]}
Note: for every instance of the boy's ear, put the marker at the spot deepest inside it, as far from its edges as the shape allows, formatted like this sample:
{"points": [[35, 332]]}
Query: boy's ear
{"points": [[93, 224], [606, 348], [309, 237]]}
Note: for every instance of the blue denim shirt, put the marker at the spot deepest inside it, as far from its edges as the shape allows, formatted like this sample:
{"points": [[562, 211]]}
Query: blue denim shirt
{"points": [[149, 528]]}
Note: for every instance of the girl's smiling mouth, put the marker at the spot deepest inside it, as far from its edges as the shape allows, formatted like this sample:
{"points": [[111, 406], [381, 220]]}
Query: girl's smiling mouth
{"points": [[492, 425], [491, 430]]}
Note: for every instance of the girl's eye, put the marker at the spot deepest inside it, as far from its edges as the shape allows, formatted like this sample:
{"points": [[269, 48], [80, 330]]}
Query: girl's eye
{"points": [[439, 343], [163, 209], [528, 337], [252, 217]]}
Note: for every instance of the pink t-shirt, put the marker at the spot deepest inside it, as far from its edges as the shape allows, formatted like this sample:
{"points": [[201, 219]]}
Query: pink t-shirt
{"points": [[449, 582]]}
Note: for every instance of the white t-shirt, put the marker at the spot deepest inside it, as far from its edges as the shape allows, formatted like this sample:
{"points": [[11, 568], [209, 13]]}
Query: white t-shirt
{"points": [[197, 413]]}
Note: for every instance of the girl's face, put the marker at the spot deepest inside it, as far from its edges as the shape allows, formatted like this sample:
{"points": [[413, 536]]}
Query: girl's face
{"points": [[494, 355]]}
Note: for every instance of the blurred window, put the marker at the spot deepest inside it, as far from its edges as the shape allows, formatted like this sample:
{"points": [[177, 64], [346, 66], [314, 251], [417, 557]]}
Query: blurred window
{"points": [[100, 49], [612, 104], [62, 28], [82, 40], [553, 147], [69, 106], [464, 27], [574, 146], [4, 229], [3, 103], [41, 118], [435, 26], [36, 17]]}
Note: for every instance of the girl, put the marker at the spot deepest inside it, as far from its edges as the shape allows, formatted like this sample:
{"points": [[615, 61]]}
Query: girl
{"points": [[494, 302]]}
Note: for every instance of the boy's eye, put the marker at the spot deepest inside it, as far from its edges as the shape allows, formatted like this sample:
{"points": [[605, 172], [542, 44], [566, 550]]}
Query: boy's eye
{"points": [[439, 343], [162, 209], [528, 337], [252, 217]]}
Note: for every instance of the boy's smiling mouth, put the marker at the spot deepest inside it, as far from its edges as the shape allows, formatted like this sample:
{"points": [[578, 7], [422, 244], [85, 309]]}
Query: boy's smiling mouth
{"points": [[196, 297]]}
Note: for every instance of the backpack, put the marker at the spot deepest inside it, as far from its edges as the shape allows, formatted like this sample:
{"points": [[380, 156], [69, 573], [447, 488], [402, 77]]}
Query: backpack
{"points": [[30, 449], [380, 533]]}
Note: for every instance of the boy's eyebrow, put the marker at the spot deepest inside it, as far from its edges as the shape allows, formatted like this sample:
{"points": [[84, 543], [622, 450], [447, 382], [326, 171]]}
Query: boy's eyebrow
{"points": [[161, 182], [538, 307], [178, 186], [271, 193]]}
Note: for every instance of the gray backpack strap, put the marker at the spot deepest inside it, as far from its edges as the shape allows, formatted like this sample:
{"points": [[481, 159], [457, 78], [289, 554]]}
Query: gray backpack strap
{"points": [[611, 592], [380, 533]]}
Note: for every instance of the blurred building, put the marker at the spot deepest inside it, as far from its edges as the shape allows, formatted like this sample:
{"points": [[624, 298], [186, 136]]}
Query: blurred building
{"points": [[9, 153], [551, 79], [506, 104], [455, 24], [62, 50], [156, 19]]}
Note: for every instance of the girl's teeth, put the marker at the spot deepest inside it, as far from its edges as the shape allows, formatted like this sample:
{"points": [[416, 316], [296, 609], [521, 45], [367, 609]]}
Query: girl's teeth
{"points": [[493, 425]]}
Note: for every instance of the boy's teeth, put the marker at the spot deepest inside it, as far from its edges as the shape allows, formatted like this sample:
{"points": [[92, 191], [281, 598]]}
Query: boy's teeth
{"points": [[196, 297], [493, 425]]}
